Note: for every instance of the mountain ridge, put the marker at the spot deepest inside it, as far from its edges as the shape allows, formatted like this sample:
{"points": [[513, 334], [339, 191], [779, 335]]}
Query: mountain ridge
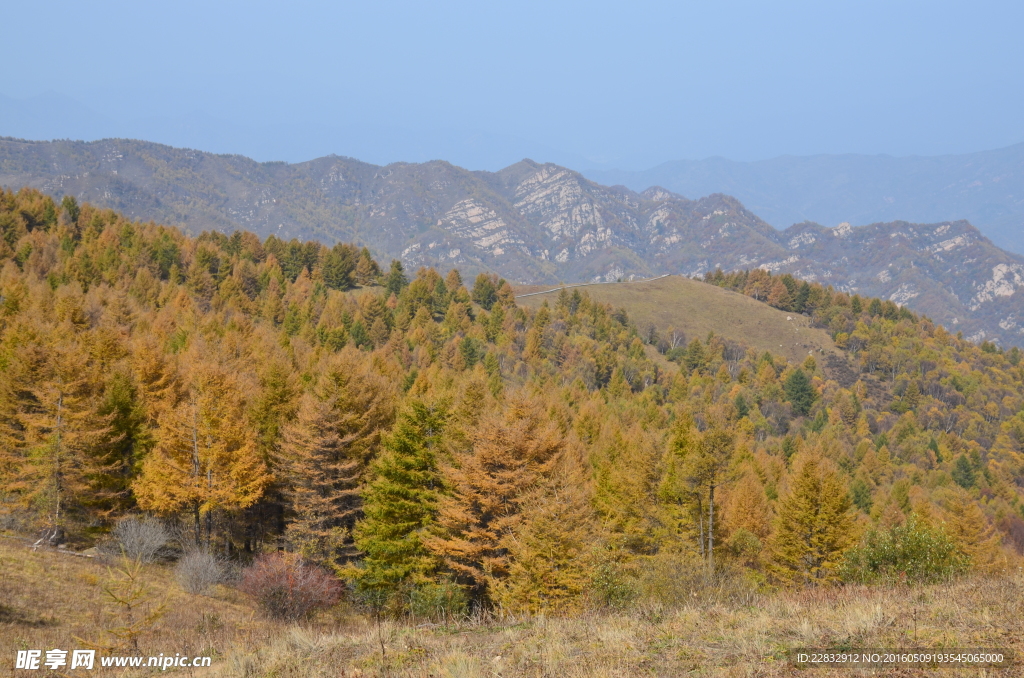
{"points": [[531, 222], [985, 187]]}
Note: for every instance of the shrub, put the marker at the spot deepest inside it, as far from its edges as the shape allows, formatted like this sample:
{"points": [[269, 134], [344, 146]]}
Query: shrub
{"points": [[613, 586], [913, 552], [438, 600], [670, 580], [140, 538], [12, 518], [745, 545], [287, 588], [198, 571], [674, 580]]}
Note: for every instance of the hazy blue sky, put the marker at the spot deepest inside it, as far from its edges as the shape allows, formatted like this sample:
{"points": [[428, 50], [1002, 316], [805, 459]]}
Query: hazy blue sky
{"points": [[624, 85]]}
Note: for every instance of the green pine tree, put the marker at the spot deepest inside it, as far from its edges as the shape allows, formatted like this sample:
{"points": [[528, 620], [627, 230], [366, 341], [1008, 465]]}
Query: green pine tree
{"points": [[485, 290], [963, 472], [399, 504], [396, 281], [800, 392], [339, 267]]}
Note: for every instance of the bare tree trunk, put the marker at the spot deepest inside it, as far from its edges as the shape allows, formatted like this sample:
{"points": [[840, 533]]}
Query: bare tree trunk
{"points": [[700, 524], [209, 513], [197, 524], [58, 479], [196, 467], [227, 536], [711, 528]]}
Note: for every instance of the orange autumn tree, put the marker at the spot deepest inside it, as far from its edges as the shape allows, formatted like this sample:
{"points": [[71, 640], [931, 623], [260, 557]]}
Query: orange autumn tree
{"points": [[813, 527], [324, 451], [206, 457], [553, 551], [747, 518], [511, 452], [15, 376], [976, 538]]}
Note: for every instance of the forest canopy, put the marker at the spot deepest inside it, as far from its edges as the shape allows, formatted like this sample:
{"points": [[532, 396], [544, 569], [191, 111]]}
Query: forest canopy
{"points": [[425, 439]]}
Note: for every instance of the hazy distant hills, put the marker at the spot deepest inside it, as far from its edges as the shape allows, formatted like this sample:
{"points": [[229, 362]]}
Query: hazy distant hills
{"points": [[51, 115], [530, 222], [986, 188]]}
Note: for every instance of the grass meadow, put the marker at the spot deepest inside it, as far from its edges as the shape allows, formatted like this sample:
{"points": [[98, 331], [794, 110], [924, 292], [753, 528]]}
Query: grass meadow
{"points": [[698, 308], [50, 600]]}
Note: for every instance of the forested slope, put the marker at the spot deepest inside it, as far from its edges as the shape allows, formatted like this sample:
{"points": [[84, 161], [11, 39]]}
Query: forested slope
{"points": [[435, 444]]}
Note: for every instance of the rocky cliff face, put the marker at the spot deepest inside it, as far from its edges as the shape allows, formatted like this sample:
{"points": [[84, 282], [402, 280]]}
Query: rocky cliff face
{"points": [[530, 222], [947, 270]]}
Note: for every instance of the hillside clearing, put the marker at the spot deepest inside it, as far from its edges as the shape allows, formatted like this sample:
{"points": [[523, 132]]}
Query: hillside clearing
{"points": [[697, 309]]}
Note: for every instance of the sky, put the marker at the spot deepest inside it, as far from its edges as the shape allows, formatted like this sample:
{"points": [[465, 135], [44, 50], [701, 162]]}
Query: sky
{"points": [[483, 84]]}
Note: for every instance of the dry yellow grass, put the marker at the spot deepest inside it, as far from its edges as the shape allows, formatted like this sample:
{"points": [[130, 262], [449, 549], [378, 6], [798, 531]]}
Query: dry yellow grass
{"points": [[49, 599], [54, 600], [698, 308]]}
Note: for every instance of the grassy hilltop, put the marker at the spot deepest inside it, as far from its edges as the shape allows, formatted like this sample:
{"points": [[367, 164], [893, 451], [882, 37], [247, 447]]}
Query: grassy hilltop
{"points": [[697, 309]]}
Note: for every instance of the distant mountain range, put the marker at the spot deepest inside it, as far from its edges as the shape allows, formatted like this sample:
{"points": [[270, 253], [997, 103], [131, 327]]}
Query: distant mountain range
{"points": [[985, 188], [51, 115], [530, 222]]}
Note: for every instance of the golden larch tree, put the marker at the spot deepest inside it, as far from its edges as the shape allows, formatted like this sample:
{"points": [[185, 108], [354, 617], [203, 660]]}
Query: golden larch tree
{"points": [[324, 450], [206, 457], [62, 430], [511, 452], [624, 474], [553, 550], [747, 518], [973, 533], [813, 528], [704, 467]]}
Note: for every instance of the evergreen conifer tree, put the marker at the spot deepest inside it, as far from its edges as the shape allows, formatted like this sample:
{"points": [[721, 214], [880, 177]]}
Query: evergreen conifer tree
{"points": [[395, 281], [800, 392], [963, 472], [339, 267], [367, 270], [485, 290], [400, 503]]}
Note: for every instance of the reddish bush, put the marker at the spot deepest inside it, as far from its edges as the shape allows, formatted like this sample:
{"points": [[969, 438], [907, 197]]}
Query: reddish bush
{"points": [[287, 588]]}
